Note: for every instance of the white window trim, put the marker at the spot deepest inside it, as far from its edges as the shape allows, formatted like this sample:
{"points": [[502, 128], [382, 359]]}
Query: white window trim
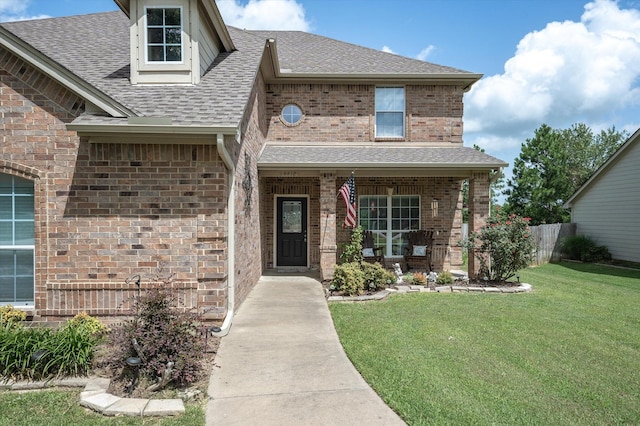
{"points": [[31, 247], [389, 230], [404, 113], [183, 35]]}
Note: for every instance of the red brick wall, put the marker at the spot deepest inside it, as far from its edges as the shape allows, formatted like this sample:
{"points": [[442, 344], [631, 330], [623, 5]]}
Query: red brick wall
{"points": [[447, 223], [248, 236], [345, 113], [106, 211]]}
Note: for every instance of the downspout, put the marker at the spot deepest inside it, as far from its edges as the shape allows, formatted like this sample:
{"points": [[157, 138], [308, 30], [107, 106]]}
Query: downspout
{"points": [[231, 240]]}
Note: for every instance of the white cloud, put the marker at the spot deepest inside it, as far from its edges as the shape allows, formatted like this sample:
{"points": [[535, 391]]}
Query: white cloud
{"points": [[387, 49], [15, 10], [565, 73], [424, 53], [264, 14], [13, 6]]}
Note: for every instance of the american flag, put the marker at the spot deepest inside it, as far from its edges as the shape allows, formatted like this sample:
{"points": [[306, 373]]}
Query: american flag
{"points": [[348, 192]]}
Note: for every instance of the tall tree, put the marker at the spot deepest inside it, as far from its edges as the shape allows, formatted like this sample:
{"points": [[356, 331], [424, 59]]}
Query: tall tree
{"points": [[552, 166]]}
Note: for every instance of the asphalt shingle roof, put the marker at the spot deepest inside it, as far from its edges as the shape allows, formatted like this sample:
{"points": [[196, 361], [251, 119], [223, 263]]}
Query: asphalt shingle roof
{"points": [[303, 52], [95, 48], [374, 156]]}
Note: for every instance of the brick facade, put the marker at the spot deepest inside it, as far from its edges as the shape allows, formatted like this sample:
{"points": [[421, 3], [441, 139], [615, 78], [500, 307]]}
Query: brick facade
{"points": [[345, 113], [107, 209], [102, 213]]}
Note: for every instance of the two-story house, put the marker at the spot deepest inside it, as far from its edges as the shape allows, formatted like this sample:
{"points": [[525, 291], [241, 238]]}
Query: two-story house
{"points": [[158, 137]]}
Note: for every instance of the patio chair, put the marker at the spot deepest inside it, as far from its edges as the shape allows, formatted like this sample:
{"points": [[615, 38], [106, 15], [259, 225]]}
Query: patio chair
{"points": [[370, 252], [417, 254]]}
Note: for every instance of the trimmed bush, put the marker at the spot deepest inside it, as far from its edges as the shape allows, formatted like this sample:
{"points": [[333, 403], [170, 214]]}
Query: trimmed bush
{"points": [[349, 278], [9, 314], [584, 249], [376, 277]]}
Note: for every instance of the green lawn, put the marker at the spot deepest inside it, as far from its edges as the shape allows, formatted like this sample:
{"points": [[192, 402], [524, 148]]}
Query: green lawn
{"points": [[566, 353], [61, 408]]}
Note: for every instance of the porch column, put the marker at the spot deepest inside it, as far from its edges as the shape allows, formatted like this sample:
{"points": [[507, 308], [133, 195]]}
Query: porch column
{"points": [[479, 200], [328, 246]]}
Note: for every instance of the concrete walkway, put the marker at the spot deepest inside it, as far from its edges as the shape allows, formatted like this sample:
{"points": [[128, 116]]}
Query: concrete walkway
{"points": [[282, 364]]}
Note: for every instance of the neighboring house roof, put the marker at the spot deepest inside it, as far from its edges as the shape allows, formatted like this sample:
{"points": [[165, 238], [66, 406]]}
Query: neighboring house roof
{"points": [[95, 49], [382, 158], [602, 170]]}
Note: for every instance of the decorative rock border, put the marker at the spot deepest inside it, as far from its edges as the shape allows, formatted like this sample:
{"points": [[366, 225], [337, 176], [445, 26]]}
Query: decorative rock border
{"points": [[522, 288], [95, 396]]}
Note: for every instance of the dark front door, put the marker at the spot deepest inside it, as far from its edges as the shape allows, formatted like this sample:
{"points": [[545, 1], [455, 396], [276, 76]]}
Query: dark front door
{"points": [[292, 231]]}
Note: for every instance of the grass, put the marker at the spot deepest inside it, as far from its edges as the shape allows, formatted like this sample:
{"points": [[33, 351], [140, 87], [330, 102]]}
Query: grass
{"points": [[61, 408], [567, 353]]}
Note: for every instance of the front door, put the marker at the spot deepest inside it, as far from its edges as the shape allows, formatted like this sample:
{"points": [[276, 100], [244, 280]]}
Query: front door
{"points": [[292, 232]]}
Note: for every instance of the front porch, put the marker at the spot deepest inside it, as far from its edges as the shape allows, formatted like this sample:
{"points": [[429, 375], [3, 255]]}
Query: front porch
{"points": [[390, 206]]}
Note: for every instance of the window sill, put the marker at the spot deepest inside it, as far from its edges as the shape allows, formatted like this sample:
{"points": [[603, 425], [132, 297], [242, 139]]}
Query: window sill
{"points": [[389, 140]]}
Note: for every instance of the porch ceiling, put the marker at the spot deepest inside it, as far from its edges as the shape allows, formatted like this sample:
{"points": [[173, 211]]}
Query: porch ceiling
{"points": [[377, 160]]}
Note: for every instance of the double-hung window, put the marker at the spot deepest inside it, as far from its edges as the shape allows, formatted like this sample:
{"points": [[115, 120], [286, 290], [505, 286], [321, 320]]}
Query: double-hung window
{"points": [[390, 109], [16, 241], [164, 34], [391, 218]]}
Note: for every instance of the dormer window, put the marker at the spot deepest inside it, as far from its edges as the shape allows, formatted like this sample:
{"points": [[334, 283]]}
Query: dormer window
{"points": [[164, 34]]}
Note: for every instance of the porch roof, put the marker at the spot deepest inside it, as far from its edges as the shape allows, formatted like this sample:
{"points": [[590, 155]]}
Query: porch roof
{"points": [[378, 159]]}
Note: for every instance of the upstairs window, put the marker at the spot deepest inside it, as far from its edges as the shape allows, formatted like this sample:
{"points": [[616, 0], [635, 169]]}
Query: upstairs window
{"points": [[291, 114], [389, 112], [164, 34]]}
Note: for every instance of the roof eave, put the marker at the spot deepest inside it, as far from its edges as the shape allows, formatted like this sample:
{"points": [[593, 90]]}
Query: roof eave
{"points": [[464, 79], [381, 165], [112, 129]]}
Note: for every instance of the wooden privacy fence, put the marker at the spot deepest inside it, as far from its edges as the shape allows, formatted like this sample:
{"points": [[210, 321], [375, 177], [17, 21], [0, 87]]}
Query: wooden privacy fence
{"points": [[548, 238]]}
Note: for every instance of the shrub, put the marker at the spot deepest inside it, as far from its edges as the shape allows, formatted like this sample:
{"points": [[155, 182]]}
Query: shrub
{"points": [[91, 324], [585, 249], [502, 247], [375, 276], [164, 332], [349, 278], [11, 315], [445, 277], [419, 278]]}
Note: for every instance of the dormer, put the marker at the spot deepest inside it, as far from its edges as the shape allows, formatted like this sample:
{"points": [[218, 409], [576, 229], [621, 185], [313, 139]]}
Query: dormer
{"points": [[174, 41]]}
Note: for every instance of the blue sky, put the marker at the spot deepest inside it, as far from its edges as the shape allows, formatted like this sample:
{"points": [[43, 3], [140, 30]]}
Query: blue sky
{"points": [[557, 62]]}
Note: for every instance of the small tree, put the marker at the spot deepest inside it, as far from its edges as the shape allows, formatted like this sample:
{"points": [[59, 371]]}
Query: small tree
{"points": [[353, 250], [502, 247]]}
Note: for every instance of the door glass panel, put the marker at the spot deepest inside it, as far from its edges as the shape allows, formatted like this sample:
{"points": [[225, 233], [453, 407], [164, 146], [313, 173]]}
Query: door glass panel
{"points": [[291, 217]]}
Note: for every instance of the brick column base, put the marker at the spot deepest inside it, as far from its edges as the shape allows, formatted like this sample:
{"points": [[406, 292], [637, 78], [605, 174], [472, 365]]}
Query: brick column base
{"points": [[328, 245]]}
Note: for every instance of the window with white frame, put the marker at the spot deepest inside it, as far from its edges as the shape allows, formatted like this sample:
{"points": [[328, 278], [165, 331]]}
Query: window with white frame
{"points": [[390, 218], [16, 241], [164, 34], [390, 107]]}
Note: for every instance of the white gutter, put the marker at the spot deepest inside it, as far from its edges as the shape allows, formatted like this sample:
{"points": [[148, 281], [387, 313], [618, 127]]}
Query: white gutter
{"points": [[231, 240]]}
